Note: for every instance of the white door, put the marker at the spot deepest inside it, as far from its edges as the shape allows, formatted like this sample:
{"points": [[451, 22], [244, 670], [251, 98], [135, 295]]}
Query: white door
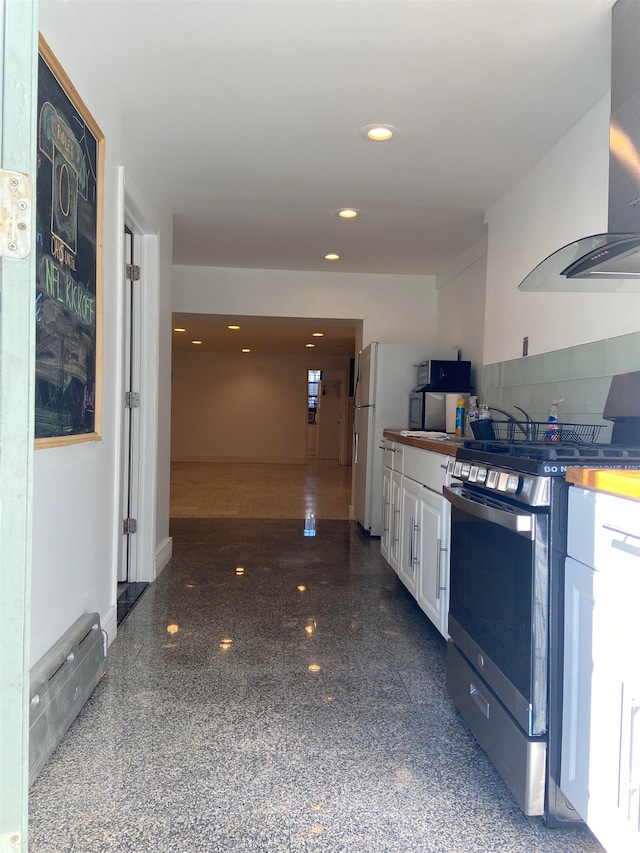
{"points": [[363, 420], [395, 521], [433, 577], [410, 540], [18, 36], [329, 419], [127, 570]]}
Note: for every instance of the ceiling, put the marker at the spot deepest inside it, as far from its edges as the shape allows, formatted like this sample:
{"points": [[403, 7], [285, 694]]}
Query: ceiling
{"points": [[250, 111]]}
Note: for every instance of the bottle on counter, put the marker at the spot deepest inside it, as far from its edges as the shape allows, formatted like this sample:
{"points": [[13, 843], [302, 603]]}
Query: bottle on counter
{"points": [[553, 429], [460, 417], [473, 413]]}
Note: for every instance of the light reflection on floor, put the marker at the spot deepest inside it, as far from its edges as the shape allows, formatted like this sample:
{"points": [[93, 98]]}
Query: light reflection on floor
{"points": [[260, 490]]}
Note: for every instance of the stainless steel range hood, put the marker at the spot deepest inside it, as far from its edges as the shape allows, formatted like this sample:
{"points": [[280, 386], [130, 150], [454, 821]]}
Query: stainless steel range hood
{"points": [[609, 263]]}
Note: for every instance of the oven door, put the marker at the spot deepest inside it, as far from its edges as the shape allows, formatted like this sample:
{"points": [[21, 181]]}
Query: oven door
{"points": [[498, 607]]}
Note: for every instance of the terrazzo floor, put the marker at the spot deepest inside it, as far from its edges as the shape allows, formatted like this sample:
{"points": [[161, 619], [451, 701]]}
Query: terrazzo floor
{"points": [[296, 705]]}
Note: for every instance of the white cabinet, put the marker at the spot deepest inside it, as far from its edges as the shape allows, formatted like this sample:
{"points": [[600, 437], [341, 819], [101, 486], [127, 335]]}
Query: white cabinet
{"points": [[601, 706], [416, 527], [395, 528], [433, 575], [410, 535], [385, 536], [391, 498]]}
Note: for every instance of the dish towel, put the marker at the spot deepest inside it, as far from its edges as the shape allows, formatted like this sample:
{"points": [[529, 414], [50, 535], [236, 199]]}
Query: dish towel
{"points": [[435, 436]]}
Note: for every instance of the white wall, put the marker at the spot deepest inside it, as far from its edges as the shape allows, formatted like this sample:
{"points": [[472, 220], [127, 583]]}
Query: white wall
{"points": [[563, 198], [237, 407], [228, 406], [394, 308], [461, 305], [76, 523]]}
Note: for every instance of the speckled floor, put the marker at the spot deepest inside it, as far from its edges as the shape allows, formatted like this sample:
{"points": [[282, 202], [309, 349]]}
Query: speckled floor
{"points": [[297, 706]]}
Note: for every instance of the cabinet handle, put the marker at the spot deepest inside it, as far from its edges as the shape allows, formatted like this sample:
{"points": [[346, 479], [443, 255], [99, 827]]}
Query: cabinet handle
{"points": [[410, 565], [625, 546], [634, 550], [628, 771], [479, 699], [385, 517], [396, 512], [439, 587], [416, 551]]}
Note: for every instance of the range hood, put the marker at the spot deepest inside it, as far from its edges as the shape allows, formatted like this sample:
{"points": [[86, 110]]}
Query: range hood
{"points": [[609, 263]]}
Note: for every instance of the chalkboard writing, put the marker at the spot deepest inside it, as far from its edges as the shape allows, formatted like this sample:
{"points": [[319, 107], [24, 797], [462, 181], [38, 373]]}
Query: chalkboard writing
{"points": [[68, 265]]}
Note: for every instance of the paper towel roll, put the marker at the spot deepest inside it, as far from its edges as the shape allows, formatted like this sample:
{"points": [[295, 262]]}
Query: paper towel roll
{"points": [[450, 406]]}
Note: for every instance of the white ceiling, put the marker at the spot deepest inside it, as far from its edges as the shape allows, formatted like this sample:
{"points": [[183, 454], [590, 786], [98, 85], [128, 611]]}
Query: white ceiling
{"points": [[249, 112]]}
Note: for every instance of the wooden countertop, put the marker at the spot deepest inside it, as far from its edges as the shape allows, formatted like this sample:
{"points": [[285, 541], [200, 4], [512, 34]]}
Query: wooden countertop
{"points": [[614, 481], [446, 447]]}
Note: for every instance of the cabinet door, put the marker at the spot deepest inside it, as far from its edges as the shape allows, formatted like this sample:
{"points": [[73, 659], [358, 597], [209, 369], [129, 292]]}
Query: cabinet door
{"points": [[433, 572], [601, 710], [385, 536], [409, 558], [395, 524], [578, 683]]}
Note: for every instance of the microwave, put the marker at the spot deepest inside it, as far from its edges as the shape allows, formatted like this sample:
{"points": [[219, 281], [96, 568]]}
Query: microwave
{"points": [[427, 410], [444, 375]]}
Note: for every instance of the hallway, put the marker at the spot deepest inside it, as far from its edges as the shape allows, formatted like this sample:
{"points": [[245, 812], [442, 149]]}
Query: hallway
{"points": [[296, 705]]}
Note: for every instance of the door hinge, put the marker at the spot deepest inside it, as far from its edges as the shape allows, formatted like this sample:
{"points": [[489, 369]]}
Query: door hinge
{"points": [[131, 400], [130, 525], [15, 214], [133, 272]]}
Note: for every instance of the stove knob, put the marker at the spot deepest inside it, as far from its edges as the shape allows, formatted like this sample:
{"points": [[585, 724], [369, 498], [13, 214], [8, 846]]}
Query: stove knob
{"points": [[482, 475], [466, 469], [457, 469], [473, 474], [492, 479], [513, 483]]}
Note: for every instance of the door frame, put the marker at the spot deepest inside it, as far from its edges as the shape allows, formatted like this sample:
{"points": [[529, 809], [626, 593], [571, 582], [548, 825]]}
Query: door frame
{"points": [[18, 106], [132, 213]]}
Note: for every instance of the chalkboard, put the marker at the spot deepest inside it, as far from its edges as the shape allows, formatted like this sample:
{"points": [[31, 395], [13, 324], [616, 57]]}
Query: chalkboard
{"points": [[68, 261]]}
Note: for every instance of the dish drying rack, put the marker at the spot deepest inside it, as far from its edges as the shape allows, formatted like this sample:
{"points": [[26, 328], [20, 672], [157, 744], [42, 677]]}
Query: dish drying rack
{"points": [[541, 431]]}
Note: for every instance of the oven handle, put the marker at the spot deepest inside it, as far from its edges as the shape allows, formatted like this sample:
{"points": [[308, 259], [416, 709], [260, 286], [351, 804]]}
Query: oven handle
{"points": [[522, 523]]}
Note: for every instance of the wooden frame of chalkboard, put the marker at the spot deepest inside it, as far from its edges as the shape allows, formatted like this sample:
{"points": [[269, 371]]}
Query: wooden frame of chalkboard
{"points": [[69, 197]]}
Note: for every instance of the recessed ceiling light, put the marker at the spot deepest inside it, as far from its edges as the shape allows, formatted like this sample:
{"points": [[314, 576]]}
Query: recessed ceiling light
{"points": [[347, 213], [179, 330], [234, 328], [331, 257], [318, 335], [379, 132], [309, 345], [246, 349], [196, 342]]}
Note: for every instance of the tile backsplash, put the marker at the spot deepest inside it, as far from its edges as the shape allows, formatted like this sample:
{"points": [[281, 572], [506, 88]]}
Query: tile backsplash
{"points": [[580, 376]]}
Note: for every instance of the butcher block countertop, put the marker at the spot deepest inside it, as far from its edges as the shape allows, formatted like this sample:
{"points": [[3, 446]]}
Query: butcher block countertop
{"points": [[448, 447], [614, 481]]}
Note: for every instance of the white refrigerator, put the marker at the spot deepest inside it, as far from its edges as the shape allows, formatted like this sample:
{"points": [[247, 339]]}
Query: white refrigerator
{"points": [[385, 376]]}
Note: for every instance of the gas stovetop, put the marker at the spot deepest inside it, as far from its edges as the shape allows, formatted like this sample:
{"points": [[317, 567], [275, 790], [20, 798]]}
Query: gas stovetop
{"points": [[548, 458]]}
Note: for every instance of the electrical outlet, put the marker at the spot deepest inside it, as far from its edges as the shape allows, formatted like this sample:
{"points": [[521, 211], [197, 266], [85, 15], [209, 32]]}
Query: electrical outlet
{"points": [[525, 346]]}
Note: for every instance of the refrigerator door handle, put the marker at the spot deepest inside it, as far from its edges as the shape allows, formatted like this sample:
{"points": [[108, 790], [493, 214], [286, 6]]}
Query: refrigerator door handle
{"points": [[355, 449]]}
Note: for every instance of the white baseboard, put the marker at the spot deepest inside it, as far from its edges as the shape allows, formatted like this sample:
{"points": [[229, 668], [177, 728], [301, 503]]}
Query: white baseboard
{"points": [[110, 624], [163, 555]]}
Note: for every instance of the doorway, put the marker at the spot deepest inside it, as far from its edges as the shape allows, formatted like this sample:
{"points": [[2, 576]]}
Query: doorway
{"points": [[129, 588], [329, 419]]}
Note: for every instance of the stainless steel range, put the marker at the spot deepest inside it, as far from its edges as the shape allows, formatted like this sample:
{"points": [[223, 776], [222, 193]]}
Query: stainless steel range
{"points": [[508, 545]]}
